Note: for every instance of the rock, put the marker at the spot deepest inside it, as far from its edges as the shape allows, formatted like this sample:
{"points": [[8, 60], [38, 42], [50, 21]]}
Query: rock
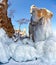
{"points": [[5, 22], [40, 20]]}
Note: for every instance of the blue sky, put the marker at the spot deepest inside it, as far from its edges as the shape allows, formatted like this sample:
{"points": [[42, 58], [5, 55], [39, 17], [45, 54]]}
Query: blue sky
{"points": [[22, 10]]}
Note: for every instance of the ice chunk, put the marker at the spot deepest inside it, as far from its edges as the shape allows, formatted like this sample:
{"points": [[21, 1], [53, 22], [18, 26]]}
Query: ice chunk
{"points": [[50, 50], [4, 38], [4, 53], [28, 41], [42, 33], [13, 46], [2, 32], [24, 53], [39, 47]]}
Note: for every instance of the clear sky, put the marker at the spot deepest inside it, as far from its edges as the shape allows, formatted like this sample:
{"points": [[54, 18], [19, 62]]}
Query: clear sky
{"points": [[22, 10]]}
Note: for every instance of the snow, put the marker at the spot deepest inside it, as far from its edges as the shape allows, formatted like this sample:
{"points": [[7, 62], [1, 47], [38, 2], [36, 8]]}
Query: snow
{"points": [[39, 47], [25, 51], [50, 50], [4, 49], [27, 41], [12, 48], [4, 38], [36, 62], [54, 33], [41, 32], [4, 53], [1, 1], [47, 49]]}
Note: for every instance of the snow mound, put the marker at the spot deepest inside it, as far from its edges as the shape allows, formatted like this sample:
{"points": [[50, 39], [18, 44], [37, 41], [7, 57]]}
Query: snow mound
{"points": [[4, 48], [46, 50], [13, 46], [27, 41], [23, 50], [4, 38], [24, 53], [4, 53], [39, 47], [50, 50]]}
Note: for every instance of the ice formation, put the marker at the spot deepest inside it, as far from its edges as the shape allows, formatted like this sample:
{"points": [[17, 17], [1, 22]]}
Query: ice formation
{"points": [[27, 41], [11, 49], [44, 49], [1, 1], [24, 49], [4, 49], [24, 53], [50, 50], [40, 20]]}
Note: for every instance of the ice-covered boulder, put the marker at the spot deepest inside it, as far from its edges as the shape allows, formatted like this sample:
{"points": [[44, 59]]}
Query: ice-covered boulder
{"points": [[4, 53], [13, 46], [49, 49], [39, 47], [40, 25], [5, 41], [24, 53], [4, 38], [46, 50], [28, 41]]}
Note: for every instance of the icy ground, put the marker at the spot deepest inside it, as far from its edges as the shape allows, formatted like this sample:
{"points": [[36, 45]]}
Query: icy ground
{"points": [[25, 52]]}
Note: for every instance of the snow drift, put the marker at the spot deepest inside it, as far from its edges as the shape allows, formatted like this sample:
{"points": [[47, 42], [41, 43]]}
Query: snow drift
{"points": [[50, 50], [23, 50], [4, 49], [24, 53], [4, 53]]}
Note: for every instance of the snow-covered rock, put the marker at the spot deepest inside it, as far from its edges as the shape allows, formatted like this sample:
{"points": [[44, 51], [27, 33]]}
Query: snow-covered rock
{"points": [[40, 25], [24, 53], [13, 46], [49, 49], [46, 50], [4, 48], [4, 53], [39, 47], [27, 41], [23, 50], [4, 38]]}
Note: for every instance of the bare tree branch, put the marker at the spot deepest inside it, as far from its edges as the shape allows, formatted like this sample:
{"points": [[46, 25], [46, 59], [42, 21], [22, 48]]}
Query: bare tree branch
{"points": [[23, 21]]}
